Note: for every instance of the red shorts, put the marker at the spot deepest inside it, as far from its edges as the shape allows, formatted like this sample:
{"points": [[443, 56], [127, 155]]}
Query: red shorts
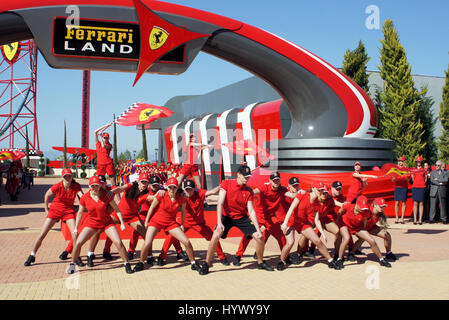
{"points": [[352, 230], [299, 226], [99, 225], [61, 215], [158, 224], [190, 170], [103, 169], [268, 220], [326, 220], [126, 219]]}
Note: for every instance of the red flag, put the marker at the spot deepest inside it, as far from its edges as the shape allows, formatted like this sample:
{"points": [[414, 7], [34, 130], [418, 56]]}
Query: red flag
{"points": [[393, 170], [143, 113], [247, 148], [158, 37]]}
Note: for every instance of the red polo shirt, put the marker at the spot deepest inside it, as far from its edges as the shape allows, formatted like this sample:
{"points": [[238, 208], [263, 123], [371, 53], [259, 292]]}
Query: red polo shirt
{"points": [[237, 198], [64, 200], [103, 154], [355, 188], [352, 221], [128, 207], [269, 201], [419, 178], [167, 209], [97, 211], [195, 207], [306, 210]]}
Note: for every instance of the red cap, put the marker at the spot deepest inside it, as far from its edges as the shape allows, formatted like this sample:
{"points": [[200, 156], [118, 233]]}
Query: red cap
{"points": [[419, 158], [94, 180], [362, 203], [401, 159], [379, 202], [357, 163], [172, 182], [319, 186], [105, 135], [65, 172], [144, 176]]}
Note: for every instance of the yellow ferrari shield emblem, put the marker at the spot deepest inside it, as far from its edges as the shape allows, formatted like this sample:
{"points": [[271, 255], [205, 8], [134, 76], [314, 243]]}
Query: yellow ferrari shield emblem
{"points": [[11, 50], [148, 113], [158, 37]]}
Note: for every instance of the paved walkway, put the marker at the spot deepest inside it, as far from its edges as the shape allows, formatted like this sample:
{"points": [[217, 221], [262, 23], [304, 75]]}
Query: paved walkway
{"points": [[420, 273]]}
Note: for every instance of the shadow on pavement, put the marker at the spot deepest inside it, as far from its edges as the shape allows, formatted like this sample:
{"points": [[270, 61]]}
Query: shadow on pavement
{"points": [[424, 231], [19, 211]]}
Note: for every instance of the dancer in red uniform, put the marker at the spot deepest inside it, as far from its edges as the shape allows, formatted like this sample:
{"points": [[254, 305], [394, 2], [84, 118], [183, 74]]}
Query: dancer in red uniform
{"points": [[235, 203], [306, 208], [144, 202], [269, 202], [358, 183], [129, 207], [190, 166], [164, 207], [419, 178], [194, 219], [61, 208], [352, 219], [105, 165], [400, 190], [96, 201], [377, 226]]}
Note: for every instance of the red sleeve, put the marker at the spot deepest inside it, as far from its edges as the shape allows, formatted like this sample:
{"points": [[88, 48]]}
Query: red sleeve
{"points": [[202, 194], [181, 199], [159, 197], [83, 201], [346, 206], [77, 187], [55, 188], [251, 194], [299, 196], [224, 185]]}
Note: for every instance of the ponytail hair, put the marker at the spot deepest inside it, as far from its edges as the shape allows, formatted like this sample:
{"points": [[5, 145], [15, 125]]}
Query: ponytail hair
{"points": [[383, 224]]}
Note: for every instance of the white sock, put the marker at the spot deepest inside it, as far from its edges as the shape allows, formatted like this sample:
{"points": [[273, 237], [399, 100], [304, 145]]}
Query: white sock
{"points": [[330, 260], [193, 262], [33, 253], [338, 259], [381, 259], [149, 257], [89, 253], [125, 263]]}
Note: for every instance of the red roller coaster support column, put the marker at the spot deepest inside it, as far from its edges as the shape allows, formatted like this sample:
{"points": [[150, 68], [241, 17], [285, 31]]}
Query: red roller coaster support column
{"points": [[86, 110]]}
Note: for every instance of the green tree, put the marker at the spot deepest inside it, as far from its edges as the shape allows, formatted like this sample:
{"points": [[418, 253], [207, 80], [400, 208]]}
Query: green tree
{"points": [[144, 144], [428, 121], [377, 100], [354, 66], [65, 147], [401, 101], [443, 143], [125, 156]]}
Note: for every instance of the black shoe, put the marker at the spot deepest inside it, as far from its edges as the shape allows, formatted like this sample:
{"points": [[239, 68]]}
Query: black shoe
{"points": [[139, 266], [182, 256], [80, 262], [128, 268], [30, 260], [195, 266], [90, 262], [63, 255], [204, 269], [255, 256], [107, 256], [340, 263], [159, 261], [308, 254], [431, 221], [236, 261], [71, 269], [130, 255], [288, 261], [333, 265], [150, 261], [358, 252], [281, 266], [385, 263], [391, 256], [93, 256], [351, 257], [335, 257], [224, 262], [264, 266], [294, 259]]}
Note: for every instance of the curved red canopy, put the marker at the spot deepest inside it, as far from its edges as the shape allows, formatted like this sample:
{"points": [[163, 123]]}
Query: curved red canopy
{"points": [[142, 113]]}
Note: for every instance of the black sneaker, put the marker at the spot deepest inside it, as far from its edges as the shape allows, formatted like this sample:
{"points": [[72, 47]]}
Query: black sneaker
{"points": [[182, 256], [308, 254], [385, 263], [130, 255], [30, 260], [351, 257], [79, 262], [150, 261], [63, 255], [236, 261], [335, 257], [71, 269], [224, 262], [333, 265], [128, 268], [204, 269], [255, 256], [340, 263], [391, 256], [90, 261], [288, 261], [107, 256], [281, 266], [358, 252], [139, 266], [160, 261], [195, 266], [295, 258], [264, 266]]}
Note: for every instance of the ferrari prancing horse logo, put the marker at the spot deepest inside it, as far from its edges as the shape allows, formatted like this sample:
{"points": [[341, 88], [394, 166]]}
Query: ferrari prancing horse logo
{"points": [[148, 113], [11, 51], [158, 37]]}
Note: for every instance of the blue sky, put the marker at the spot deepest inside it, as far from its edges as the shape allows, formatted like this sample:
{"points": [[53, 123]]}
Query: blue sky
{"points": [[326, 28]]}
